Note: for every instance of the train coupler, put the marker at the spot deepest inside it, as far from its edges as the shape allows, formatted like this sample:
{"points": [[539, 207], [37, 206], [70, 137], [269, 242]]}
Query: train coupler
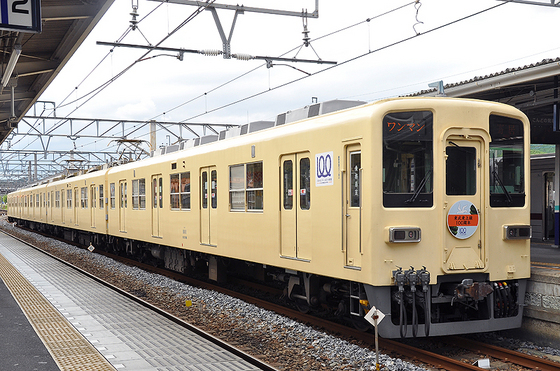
{"points": [[470, 290]]}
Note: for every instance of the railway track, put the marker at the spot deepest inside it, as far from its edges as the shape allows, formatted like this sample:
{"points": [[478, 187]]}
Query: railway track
{"points": [[405, 351]]}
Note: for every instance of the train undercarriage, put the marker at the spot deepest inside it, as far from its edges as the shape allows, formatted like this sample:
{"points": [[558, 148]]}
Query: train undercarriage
{"points": [[455, 304]]}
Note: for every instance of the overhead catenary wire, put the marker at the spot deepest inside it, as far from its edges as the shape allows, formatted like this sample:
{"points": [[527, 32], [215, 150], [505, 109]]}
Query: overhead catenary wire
{"points": [[125, 33], [206, 111], [100, 88], [348, 60], [313, 74]]}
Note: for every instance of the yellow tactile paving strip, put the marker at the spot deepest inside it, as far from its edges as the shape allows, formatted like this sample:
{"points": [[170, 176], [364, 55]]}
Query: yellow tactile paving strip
{"points": [[69, 349]]}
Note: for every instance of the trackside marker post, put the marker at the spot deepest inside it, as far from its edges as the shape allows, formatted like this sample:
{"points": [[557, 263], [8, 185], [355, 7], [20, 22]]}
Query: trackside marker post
{"points": [[374, 317]]}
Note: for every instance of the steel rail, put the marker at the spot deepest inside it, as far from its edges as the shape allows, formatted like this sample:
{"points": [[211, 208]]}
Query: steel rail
{"points": [[511, 356], [261, 365], [410, 352]]}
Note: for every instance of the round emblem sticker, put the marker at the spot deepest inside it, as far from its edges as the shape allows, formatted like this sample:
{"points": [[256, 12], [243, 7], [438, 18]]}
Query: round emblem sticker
{"points": [[462, 219]]}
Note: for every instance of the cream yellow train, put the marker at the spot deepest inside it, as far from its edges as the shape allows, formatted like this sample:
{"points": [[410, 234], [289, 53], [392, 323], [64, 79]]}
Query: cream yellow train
{"points": [[418, 207]]}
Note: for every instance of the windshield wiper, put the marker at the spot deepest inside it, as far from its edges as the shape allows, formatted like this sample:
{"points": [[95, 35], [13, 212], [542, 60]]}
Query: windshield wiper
{"points": [[419, 189], [501, 184]]}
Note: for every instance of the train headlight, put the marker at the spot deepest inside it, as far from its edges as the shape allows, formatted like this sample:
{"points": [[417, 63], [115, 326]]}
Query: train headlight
{"points": [[517, 232], [404, 234]]}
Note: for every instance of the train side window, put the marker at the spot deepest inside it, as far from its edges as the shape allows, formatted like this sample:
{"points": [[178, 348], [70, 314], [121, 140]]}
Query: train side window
{"points": [[112, 195], [237, 187], [255, 186], [180, 191], [460, 171], [288, 185], [174, 191], [185, 190], [408, 159], [246, 187], [139, 194], [507, 171], [304, 184]]}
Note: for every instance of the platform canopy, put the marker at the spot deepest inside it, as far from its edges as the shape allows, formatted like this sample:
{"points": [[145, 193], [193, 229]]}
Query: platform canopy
{"points": [[31, 60], [530, 88]]}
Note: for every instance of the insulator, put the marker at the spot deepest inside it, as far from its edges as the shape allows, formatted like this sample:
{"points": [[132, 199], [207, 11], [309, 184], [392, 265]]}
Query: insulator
{"points": [[211, 53], [243, 57]]}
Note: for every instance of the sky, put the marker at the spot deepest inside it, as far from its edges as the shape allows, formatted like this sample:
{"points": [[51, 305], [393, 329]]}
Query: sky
{"points": [[396, 52]]}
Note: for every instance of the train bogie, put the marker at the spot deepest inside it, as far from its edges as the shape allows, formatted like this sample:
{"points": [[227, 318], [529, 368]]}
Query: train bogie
{"points": [[418, 207]]}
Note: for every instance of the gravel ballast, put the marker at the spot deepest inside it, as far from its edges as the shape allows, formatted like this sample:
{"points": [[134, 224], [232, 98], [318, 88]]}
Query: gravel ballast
{"points": [[277, 340]]}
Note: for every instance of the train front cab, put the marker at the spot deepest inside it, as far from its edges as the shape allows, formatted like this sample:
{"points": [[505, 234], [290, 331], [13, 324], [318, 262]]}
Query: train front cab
{"points": [[455, 220]]}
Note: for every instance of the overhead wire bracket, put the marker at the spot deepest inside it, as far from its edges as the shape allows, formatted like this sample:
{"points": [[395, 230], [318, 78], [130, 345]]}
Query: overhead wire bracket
{"points": [[241, 9]]}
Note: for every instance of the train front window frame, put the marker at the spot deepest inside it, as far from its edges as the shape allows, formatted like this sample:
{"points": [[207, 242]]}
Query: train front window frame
{"points": [[408, 159], [507, 162]]}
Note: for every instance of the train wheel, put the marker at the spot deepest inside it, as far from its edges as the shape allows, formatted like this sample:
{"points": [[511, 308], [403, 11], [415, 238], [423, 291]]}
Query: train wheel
{"points": [[360, 324], [302, 306]]}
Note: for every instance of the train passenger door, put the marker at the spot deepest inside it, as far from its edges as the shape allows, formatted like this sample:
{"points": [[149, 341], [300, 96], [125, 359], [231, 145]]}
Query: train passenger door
{"points": [[76, 205], [123, 204], [62, 205], [208, 206], [295, 210], [51, 206], [463, 245], [93, 196], [157, 204], [352, 240]]}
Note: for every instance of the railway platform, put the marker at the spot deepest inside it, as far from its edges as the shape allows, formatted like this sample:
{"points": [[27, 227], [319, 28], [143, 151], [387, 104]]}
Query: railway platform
{"points": [[80, 324], [541, 320]]}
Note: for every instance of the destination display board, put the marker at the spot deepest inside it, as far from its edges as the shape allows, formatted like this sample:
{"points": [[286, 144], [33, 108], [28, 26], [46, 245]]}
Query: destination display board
{"points": [[20, 15]]}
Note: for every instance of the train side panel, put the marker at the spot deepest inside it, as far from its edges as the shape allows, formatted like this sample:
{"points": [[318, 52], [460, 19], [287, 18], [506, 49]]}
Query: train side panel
{"points": [[418, 207]]}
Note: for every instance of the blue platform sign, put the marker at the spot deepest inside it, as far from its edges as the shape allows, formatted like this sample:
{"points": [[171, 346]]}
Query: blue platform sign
{"points": [[20, 15]]}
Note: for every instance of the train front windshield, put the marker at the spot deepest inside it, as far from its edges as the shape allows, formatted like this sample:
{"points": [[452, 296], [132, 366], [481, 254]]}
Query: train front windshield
{"points": [[507, 175], [408, 159]]}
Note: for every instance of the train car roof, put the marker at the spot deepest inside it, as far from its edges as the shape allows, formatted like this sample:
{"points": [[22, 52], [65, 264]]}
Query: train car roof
{"points": [[291, 128]]}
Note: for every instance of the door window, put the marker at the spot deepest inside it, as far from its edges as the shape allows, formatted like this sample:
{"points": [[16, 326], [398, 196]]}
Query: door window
{"points": [[204, 190], [214, 188], [355, 182], [288, 188], [460, 170], [304, 184]]}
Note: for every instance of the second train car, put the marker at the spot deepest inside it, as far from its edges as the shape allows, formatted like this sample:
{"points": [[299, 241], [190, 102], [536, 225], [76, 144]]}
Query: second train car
{"points": [[417, 206]]}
